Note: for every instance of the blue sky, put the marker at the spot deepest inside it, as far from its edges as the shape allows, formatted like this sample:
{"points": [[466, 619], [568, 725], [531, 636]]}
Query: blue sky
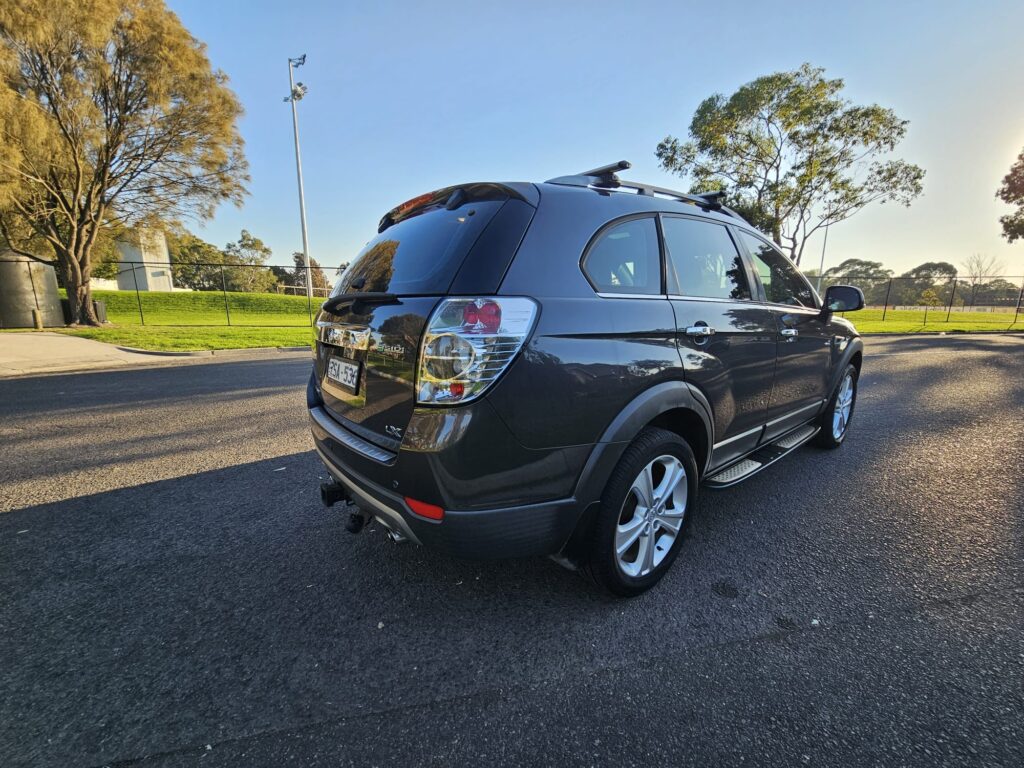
{"points": [[408, 97]]}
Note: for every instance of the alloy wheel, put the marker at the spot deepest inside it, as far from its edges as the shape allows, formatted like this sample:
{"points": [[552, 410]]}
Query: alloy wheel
{"points": [[651, 516], [844, 404]]}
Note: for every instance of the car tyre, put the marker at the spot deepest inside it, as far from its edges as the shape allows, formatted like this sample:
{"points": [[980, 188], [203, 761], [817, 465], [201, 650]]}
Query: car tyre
{"points": [[644, 513], [835, 420]]}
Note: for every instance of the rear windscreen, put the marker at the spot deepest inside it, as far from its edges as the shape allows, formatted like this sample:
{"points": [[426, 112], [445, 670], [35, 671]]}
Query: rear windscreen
{"points": [[420, 254]]}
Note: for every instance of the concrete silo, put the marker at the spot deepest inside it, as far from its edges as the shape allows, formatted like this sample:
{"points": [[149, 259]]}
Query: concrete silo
{"points": [[27, 285]]}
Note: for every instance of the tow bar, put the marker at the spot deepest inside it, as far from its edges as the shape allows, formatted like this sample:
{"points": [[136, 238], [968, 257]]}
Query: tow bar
{"points": [[332, 493]]}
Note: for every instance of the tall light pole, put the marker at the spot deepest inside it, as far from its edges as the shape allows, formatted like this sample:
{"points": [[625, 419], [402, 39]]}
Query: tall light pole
{"points": [[295, 93]]}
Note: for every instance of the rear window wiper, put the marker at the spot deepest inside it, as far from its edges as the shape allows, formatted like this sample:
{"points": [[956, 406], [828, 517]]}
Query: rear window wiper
{"points": [[335, 303]]}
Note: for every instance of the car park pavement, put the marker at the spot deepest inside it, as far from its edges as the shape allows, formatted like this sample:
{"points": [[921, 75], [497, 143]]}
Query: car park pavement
{"points": [[174, 593], [41, 353]]}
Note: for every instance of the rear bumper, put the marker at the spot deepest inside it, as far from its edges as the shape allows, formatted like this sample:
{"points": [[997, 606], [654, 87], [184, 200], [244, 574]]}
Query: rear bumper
{"points": [[524, 530]]}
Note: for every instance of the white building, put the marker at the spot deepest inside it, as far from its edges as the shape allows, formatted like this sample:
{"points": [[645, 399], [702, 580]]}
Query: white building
{"points": [[144, 262]]}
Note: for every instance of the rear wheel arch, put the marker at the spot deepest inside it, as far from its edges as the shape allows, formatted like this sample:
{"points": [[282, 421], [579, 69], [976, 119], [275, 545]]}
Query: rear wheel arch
{"points": [[688, 424], [674, 406], [671, 405]]}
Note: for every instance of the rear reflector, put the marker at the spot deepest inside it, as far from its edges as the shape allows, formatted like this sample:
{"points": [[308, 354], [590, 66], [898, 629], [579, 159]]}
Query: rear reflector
{"points": [[421, 508]]}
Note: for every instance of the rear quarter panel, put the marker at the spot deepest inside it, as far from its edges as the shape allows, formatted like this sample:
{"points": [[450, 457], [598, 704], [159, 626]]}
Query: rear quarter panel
{"points": [[587, 359], [589, 355]]}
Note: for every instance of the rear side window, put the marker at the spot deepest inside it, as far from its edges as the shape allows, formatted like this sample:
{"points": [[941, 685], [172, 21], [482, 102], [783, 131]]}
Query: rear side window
{"points": [[703, 260], [420, 254], [782, 282], [625, 259]]}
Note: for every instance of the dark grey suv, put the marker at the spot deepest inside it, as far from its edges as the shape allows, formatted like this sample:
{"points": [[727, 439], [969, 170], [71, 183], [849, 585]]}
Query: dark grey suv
{"points": [[521, 369]]}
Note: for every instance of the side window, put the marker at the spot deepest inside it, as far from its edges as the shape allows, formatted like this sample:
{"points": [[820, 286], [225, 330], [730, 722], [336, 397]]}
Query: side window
{"points": [[625, 259], [783, 283], [703, 259]]}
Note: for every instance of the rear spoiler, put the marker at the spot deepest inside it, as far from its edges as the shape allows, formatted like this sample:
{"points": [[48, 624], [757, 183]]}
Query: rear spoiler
{"points": [[455, 196], [335, 303]]}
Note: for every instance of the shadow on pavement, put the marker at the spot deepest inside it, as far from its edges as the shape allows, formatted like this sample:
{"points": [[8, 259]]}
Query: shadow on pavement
{"points": [[152, 616], [981, 342], [141, 386], [227, 603]]}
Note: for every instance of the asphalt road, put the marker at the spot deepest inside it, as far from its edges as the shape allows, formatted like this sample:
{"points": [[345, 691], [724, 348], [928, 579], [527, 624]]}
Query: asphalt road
{"points": [[174, 594]]}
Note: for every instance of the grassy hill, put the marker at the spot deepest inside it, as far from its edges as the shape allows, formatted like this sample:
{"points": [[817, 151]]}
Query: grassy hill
{"points": [[187, 338], [205, 308]]}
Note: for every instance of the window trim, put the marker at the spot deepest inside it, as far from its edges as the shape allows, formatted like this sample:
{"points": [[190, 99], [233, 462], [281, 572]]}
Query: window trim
{"points": [[597, 236], [740, 251], [756, 275]]}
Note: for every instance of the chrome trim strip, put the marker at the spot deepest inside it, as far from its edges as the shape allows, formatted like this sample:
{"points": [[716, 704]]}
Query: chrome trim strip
{"points": [[383, 442], [392, 518], [349, 439], [751, 302], [348, 336], [734, 438], [790, 309], [631, 295], [791, 414], [714, 300]]}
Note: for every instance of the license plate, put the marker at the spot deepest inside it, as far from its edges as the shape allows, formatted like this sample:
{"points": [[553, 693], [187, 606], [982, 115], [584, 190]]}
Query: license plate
{"points": [[344, 373]]}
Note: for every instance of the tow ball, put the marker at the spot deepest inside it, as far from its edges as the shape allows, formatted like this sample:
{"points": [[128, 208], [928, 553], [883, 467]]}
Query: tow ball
{"points": [[332, 493]]}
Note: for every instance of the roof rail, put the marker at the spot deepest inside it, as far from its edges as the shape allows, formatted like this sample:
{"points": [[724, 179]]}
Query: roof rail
{"points": [[605, 178]]}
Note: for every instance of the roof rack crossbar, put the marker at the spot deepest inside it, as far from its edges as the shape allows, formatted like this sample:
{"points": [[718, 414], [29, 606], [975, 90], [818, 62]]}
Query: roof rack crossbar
{"points": [[711, 200], [609, 170], [606, 177]]}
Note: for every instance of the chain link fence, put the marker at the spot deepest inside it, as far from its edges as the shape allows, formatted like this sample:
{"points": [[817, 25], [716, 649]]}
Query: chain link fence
{"points": [[155, 294], [244, 295], [930, 301]]}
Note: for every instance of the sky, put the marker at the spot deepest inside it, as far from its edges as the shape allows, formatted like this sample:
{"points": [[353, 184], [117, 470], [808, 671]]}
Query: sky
{"points": [[409, 97]]}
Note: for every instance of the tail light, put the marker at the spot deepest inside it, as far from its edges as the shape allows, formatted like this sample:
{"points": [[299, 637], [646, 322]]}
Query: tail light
{"points": [[468, 343]]}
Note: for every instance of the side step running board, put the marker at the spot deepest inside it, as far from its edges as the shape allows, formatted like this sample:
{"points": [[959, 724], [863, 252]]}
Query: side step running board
{"points": [[763, 457]]}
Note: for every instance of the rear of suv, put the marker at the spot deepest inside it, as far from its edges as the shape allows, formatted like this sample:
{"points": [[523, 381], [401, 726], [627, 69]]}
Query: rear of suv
{"points": [[516, 369]]}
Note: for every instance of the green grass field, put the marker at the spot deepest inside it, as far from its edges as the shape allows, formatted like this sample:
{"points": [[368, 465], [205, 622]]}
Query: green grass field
{"points": [[191, 338], [182, 322], [205, 308], [199, 320], [913, 321], [194, 338]]}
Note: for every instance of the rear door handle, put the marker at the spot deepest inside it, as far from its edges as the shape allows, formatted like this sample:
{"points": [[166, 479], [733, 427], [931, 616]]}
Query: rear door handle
{"points": [[700, 330], [790, 333]]}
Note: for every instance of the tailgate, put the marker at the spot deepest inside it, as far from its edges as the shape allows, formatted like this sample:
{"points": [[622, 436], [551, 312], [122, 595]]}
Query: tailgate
{"points": [[369, 334], [366, 367]]}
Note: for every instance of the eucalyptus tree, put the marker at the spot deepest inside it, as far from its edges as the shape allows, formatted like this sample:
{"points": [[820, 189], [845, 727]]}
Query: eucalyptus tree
{"points": [[111, 116], [794, 155], [1011, 192]]}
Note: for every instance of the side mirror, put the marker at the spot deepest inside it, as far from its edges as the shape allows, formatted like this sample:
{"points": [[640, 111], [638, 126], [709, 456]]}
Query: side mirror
{"points": [[843, 298]]}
